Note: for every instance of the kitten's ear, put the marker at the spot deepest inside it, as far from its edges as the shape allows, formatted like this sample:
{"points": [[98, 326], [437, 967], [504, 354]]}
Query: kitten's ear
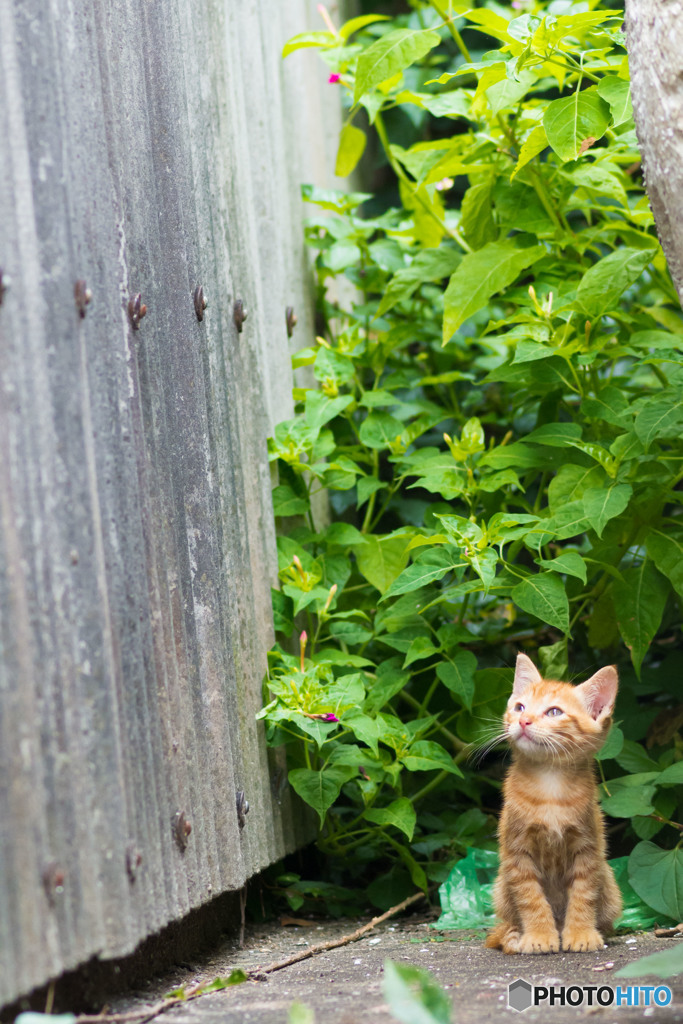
{"points": [[599, 693], [525, 674]]}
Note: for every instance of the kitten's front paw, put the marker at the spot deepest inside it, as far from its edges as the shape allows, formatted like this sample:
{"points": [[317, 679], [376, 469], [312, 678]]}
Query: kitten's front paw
{"points": [[581, 940], [540, 942]]}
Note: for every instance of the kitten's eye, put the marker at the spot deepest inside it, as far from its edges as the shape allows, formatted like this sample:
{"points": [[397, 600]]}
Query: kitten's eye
{"points": [[519, 707], [554, 711]]}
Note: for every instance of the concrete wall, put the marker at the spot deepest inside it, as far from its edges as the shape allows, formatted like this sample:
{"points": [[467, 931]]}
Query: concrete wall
{"points": [[147, 147]]}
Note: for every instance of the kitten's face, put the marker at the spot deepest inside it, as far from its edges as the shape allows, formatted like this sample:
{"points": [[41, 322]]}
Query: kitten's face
{"points": [[555, 722], [549, 722]]}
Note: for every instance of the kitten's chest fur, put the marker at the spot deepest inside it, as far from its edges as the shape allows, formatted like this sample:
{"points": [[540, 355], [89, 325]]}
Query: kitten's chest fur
{"points": [[549, 812]]}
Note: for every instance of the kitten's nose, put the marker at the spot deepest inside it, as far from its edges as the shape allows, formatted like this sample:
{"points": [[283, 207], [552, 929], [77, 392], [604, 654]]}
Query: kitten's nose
{"points": [[525, 720]]}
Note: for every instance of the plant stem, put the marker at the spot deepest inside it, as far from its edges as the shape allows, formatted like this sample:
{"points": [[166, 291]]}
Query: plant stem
{"points": [[402, 176], [371, 500], [436, 781], [448, 22], [455, 740]]}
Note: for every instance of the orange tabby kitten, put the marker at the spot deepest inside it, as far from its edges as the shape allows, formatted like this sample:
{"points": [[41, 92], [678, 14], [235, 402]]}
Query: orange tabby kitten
{"points": [[554, 887]]}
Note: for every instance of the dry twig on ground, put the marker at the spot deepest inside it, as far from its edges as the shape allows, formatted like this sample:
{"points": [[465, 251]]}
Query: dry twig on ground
{"points": [[150, 1012]]}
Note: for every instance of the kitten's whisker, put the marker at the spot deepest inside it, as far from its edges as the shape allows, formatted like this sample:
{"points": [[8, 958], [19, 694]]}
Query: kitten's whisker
{"points": [[480, 752]]}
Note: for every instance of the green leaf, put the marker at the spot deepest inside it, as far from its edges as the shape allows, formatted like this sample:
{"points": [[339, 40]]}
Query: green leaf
{"points": [[543, 595], [354, 24], [476, 215], [557, 435], [604, 503], [420, 648], [661, 416], [666, 551], [508, 92], [236, 977], [287, 503], [457, 675], [568, 521], [617, 93], [570, 121], [320, 789], [605, 282], [602, 179], [364, 728], [352, 143], [413, 995], [610, 404], [350, 632], [571, 483], [385, 686], [320, 39], [482, 274], [347, 692], [381, 559], [340, 256], [664, 964], [427, 756], [331, 365], [380, 430], [553, 660], [423, 572], [535, 142], [612, 745], [484, 564], [657, 877], [569, 562], [401, 814], [672, 776], [320, 409], [389, 55], [333, 199], [299, 1013], [630, 795], [519, 207], [633, 758], [344, 534], [428, 265], [639, 600]]}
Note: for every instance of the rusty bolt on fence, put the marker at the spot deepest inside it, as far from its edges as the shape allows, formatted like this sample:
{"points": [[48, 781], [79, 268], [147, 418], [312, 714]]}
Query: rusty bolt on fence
{"points": [[82, 297], [53, 881], [200, 302], [242, 808], [239, 315], [136, 311], [181, 828], [133, 861], [291, 320]]}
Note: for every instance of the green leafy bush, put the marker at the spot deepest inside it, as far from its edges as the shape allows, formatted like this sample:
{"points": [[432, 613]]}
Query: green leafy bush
{"points": [[496, 418]]}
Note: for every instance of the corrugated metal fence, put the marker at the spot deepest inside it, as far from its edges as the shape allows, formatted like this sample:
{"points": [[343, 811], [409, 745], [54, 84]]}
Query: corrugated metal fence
{"points": [[145, 147]]}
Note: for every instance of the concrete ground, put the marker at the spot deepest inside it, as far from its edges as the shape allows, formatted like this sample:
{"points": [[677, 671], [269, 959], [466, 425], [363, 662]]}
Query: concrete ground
{"points": [[343, 985]]}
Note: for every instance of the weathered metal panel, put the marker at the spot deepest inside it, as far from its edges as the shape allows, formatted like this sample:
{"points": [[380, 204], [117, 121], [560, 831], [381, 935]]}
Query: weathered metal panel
{"points": [[146, 147]]}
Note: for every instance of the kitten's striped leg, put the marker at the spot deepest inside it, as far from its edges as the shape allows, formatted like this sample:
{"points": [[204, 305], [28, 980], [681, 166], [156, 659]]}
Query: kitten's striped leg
{"points": [[609, 901], [539, 934], [580, 933]]}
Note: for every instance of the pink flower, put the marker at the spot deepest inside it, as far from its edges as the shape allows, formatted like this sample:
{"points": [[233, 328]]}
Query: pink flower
{"points": [[333, 79]]}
